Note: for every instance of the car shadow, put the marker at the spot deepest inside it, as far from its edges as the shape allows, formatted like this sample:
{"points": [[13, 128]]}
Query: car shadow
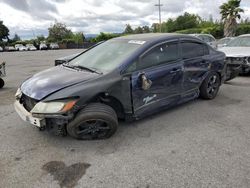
{"points": [[127, 133]]}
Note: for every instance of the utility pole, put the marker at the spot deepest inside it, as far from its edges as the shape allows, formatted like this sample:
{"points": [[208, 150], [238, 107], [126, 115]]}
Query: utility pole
{"points": [[159, 5]]}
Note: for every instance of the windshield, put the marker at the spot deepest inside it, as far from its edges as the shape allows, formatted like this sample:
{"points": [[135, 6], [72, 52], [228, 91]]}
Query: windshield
{"points": [[240, 42], [224, 41], [106, 56]]}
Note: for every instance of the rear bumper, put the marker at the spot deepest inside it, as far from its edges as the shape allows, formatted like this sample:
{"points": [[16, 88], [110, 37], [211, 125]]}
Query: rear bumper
{"points": [[27, 116]]}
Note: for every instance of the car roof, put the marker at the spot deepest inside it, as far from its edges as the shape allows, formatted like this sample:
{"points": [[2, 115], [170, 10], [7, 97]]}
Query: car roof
{"points": [[227, 38], [149, 37], [246, 35], [201, 34]]}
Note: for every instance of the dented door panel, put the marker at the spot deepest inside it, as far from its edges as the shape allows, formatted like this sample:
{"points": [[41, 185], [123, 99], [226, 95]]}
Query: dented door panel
{"points": [[165, 89]]}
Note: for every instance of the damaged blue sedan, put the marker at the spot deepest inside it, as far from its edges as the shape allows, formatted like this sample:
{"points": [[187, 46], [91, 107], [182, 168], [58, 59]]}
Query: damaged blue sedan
{"points": [[125, 78]]}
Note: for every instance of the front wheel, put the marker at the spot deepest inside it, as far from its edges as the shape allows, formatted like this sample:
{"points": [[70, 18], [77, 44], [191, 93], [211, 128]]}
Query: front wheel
{"points": [[210, 86], [95, 121]]}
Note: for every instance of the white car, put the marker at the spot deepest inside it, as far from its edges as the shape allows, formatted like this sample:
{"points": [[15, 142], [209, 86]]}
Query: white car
{"points": [[9, 48], [31, 47], [54, 46], [43, 46], [1, 49], [20, 47], [238, 53]]}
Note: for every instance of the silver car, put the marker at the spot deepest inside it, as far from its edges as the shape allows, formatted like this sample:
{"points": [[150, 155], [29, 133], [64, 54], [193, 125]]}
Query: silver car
{"points": [[238, 53], [31, 47], [54, 46], [43, 46], [224, 42], [209, 39]]}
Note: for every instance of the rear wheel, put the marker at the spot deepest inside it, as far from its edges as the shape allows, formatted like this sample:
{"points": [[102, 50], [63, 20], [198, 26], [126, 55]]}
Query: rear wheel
{"points": [[1, 82], [210, 86], [95, 121]]}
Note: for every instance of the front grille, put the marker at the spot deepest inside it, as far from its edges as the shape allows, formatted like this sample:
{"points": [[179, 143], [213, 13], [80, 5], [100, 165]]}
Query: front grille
{"points": [[28, 102]]}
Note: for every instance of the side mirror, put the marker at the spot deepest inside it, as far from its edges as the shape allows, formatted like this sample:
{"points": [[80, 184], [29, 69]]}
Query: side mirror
{"points": [[59, 62], [145, 82]]}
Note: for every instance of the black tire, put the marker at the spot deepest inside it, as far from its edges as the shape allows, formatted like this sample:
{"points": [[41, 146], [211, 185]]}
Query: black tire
{"points": [[95, 121], [1, 83], [210, 86]]}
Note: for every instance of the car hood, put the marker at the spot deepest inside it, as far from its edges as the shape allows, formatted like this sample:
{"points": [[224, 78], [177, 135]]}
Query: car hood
{"points": [[236, 51], [51, 80]]}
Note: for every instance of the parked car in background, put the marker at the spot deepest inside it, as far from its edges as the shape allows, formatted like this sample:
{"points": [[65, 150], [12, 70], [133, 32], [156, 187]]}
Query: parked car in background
{"points": [[31, 47], [2, 74], [54, 46], [129, 77], [224, 41], [209, 39], [43, 46], [20, 47], [1, 49], [238, 55], [9, 48]]}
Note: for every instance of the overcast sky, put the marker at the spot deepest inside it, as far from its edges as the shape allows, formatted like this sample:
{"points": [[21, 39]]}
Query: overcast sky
{"points": [[29, 18]]}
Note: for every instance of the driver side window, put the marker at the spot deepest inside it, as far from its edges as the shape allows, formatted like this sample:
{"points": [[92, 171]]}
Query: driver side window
{"points": [[162, 54]]}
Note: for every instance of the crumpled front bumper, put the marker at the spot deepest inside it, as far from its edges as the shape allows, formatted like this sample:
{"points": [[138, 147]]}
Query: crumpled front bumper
{"points": [[27, 116], [245, 69], [238, 64]]}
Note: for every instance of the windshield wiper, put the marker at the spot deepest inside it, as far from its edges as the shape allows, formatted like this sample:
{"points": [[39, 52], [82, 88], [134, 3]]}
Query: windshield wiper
{"points": [[86, 68], [82, 68]]}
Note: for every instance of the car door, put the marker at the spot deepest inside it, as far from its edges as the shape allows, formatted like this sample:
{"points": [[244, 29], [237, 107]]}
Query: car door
{"points": [[195, 56], [157, 80]]}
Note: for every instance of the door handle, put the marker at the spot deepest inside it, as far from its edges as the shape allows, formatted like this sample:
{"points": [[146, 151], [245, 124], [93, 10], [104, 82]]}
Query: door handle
{"points": [[175, 70]]}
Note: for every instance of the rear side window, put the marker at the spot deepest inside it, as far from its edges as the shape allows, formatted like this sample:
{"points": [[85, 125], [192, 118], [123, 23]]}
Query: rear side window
{"points": [[193, 49]]}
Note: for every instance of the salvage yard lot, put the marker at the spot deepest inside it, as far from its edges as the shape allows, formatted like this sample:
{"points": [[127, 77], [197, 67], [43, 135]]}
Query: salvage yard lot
{"points": [[198, 144]]}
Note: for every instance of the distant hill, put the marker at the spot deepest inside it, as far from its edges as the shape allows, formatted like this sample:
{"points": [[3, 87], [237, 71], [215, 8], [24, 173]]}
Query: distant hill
{"points": [[88, 36]]}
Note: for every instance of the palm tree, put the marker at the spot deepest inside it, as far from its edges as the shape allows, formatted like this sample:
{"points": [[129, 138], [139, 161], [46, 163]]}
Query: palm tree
{"points": [[230, 12]]}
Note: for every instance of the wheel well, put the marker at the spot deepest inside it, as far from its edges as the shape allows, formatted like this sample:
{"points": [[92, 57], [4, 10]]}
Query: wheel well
{"points": [[112, 102]]}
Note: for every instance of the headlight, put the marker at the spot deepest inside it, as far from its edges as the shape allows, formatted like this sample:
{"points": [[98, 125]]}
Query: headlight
{"points": [[247, 60], [53, 107]]}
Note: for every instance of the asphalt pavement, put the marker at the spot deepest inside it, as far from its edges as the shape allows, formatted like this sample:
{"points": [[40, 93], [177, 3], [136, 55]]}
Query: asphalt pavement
{"points": [[198, 144]]}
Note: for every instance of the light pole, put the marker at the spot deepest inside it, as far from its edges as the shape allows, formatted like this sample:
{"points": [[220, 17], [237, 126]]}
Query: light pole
{"points": [[159, 5]]}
